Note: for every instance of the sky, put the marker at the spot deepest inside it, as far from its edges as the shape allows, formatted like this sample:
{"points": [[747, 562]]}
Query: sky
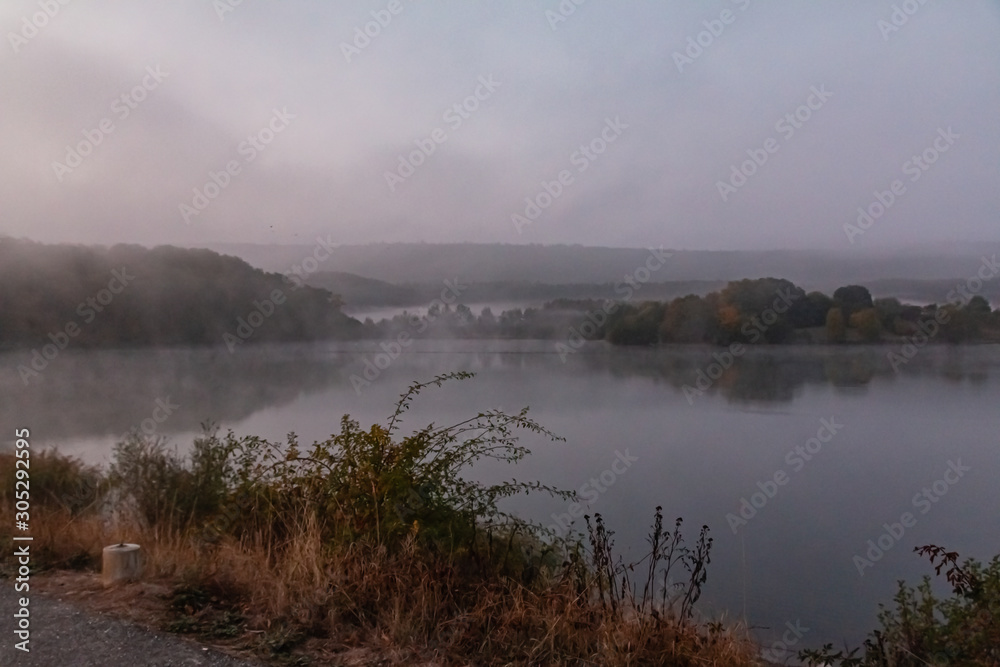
{"points": [[731, 124]]}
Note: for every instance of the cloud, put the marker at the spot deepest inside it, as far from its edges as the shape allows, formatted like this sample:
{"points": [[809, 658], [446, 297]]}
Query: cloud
{"points": [[326, 173]]}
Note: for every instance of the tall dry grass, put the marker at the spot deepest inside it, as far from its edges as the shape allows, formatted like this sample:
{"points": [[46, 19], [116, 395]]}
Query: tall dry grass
{"points": [[408, 602]]}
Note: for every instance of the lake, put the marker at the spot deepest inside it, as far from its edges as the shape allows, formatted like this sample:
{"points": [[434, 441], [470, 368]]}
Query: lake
{"points": [[795, 457]]}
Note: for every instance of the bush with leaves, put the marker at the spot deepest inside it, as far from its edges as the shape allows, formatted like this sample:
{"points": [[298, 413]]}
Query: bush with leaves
{"points": [[57, 482], [163, 488], [963, 629], [371, 483]]}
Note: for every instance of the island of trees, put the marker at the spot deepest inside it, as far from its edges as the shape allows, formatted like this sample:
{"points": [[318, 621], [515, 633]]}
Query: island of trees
{"points": [[766, 310]]}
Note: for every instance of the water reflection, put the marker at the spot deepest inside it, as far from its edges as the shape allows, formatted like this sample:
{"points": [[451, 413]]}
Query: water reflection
{"points": [[88, 394], [105, 393]]}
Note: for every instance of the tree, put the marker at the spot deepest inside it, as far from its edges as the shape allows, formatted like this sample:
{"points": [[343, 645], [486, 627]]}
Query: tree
{"points": [[957, 325], [810, 311], [730, 320], [836, 330], [764, 305], [888, 310], [636, 325], [464, 314], [867, 323], [852, 298], [690, 319]]}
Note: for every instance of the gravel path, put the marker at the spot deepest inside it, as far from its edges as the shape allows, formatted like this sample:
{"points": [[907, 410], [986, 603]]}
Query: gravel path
{"points": [[63, 636]]}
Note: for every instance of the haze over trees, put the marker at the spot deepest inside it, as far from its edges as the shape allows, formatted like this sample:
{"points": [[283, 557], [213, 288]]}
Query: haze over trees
{"points": [[52, 295], [129, 295]]}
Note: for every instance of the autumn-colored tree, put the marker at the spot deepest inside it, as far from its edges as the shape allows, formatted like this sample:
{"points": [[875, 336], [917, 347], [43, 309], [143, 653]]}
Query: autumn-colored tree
{"points": [[836, 329], [729, 319], [867, 323]]}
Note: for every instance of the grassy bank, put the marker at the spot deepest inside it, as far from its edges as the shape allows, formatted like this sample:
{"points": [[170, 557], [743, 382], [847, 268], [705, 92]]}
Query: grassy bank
{"points": [[377, 541], [376, 544]]}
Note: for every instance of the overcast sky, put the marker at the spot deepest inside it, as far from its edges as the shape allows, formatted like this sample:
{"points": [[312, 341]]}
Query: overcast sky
{"points": [[332, 113]]}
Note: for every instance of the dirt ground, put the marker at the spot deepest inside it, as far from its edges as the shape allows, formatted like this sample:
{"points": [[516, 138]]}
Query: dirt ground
{"points": [[71, 625], [75, 621]]}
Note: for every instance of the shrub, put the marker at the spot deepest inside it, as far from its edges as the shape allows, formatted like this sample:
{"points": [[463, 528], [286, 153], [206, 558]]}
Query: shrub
{"points": [[963, 629], [371, 483], [165, 489], [57, 482]]}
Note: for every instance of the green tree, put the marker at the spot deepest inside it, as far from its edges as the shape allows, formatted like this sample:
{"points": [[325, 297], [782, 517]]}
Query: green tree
{"points": [[636, 325], [810, 311], [888, 310], [977, 311], [958, 325], [765, 305]]}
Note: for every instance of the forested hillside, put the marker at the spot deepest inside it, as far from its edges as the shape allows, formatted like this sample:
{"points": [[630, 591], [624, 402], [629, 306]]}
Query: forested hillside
{"points": [[131, 295]]}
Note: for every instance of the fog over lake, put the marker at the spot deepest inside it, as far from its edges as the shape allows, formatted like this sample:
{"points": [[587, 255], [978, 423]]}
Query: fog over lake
{"points": [[741, 257], [632, 432]]}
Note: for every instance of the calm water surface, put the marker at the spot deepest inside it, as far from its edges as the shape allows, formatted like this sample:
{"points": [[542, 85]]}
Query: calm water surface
{"points": [[889, 437]]}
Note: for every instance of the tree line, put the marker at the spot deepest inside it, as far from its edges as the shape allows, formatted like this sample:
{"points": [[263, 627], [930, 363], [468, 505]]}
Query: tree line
{"points": [[765, 310], [125, 295]]}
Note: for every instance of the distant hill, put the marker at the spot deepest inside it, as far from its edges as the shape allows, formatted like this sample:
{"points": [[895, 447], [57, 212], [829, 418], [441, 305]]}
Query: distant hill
{"points": [[929, 291], [365, 292], [355, 290], [420, 263]]}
